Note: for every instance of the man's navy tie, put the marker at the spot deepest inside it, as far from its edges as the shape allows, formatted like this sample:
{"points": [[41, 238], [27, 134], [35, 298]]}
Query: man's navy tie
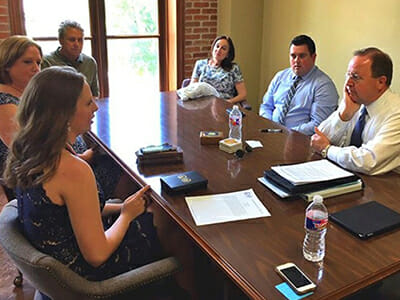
{"points": [[288, 99], [358, 129]]}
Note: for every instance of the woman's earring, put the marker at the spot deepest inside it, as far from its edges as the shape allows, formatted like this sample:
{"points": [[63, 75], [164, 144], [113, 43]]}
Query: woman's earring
{"points": [[69, 126]]}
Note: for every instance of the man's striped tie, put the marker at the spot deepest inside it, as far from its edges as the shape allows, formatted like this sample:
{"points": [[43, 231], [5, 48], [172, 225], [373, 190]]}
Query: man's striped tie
{"points": [[288, 99]]}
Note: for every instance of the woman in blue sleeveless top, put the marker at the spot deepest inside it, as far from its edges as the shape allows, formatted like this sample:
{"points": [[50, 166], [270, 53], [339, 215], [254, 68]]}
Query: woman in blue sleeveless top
{"points": [[58, 203], [20, 59]]}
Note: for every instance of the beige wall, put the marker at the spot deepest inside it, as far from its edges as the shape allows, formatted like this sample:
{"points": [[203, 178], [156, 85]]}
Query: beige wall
{"points": [[338, 27], [242, 21]]}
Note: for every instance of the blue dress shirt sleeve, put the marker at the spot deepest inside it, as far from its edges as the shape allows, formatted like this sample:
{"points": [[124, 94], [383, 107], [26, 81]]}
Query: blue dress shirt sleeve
{"points": [[268, 105], [324, 104]]}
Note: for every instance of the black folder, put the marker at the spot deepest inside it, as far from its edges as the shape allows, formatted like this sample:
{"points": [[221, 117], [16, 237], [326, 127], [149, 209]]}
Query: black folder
{"points": [[367, 220], [183, 182], [292, 189]]}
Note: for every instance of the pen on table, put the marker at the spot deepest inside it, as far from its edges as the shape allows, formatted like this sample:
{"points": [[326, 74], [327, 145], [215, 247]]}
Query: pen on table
{"points": [[271, 130]]}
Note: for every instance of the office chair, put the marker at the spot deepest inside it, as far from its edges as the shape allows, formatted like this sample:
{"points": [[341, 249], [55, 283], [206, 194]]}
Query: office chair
{"points": [[55, 280], [10, 196], [246, 105]]}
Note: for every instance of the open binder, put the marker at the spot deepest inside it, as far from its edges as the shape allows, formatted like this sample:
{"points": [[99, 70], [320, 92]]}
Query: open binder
{"points": [[307, 187], [335, 184]]}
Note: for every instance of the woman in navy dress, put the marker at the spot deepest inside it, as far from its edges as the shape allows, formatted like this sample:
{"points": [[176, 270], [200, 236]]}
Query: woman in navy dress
{"points": [[58, 203], [20, 59]]}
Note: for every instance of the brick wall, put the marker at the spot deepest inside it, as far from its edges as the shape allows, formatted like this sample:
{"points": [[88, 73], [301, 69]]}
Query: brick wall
{"points": [[4, 20], [200, 31]]}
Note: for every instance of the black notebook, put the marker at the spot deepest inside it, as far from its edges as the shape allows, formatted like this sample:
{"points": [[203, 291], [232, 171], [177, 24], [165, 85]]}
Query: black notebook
{"points": [[367, 220], [289, 187], [183, 182]]}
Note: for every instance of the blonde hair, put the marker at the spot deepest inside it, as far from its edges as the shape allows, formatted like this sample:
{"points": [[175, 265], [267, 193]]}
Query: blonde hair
{"points": [[11, 49]]}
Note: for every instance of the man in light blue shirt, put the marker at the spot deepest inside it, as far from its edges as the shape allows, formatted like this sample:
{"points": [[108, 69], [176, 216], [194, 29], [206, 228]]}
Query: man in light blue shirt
{"points": [[312, 98]]}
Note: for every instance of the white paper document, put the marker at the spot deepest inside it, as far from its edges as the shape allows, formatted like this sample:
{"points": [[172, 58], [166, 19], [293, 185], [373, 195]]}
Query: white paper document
{"points": [[254, 144], [313, 171], [219, 208]]}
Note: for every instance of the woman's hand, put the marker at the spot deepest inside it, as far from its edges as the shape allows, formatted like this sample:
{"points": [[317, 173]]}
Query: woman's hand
{"points": [[193, 80], [241, 93], [134, 205]]}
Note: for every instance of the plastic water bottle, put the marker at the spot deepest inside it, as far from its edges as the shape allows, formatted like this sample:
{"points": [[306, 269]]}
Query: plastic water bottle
{"points": [[315, 224], [235, 124]]}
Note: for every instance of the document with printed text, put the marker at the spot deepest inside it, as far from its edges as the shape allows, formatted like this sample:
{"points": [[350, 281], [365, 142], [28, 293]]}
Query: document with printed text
{"points": [[220, 208], [312, 171]]}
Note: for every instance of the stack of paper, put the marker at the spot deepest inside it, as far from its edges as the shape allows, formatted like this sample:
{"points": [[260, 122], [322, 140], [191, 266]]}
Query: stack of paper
{"points": [[320, 177], [312, 171]]}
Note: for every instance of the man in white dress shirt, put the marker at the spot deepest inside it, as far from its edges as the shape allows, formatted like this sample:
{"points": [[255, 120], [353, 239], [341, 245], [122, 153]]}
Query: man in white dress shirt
{"points": [[369, 100]]}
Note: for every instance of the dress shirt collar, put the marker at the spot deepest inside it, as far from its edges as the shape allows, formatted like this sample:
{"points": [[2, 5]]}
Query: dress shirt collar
{"points": [[304, 77], [378, 105]]}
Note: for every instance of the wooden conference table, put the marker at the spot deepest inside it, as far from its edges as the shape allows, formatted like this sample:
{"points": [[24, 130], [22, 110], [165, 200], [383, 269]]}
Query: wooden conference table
{"points": [[247, 251]]}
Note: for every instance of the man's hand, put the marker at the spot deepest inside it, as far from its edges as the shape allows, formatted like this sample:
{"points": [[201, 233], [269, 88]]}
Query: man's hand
{"points": [[350, 107], [319, 141]]}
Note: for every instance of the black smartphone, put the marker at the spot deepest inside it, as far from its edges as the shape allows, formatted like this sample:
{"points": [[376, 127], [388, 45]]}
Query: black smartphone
{"points": [[157, 148], [295, 278], [228, 111]]}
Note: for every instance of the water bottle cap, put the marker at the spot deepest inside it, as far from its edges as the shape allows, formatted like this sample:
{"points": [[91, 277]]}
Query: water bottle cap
{"points": [[235, 107], [318, 199]]}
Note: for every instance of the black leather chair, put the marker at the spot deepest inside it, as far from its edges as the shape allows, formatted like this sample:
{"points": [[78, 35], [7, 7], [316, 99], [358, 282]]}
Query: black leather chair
{"points": [[10, 196]]}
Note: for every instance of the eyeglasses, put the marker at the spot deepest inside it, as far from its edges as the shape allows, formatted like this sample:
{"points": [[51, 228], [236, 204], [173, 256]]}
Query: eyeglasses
{"points": [[354, 76], [240, 153]]}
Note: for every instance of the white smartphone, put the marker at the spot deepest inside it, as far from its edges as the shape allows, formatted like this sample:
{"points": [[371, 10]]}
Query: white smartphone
{"points": [[296, 278]]}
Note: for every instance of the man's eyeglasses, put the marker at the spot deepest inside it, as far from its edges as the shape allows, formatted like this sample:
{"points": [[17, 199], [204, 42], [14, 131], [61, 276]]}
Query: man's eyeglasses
{"points": [[354, 76]]}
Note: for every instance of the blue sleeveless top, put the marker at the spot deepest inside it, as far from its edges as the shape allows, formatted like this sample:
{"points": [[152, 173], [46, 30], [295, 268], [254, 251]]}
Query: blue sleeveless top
{"points": [[5, 99]]}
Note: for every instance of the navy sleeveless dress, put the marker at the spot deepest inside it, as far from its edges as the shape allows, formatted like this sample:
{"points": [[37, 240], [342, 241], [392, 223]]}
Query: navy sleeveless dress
{"points": [[47, 226]]}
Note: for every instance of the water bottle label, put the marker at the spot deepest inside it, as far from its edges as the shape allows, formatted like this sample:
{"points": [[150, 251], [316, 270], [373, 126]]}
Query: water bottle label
{"points": [[312, 224], [235, 121]]}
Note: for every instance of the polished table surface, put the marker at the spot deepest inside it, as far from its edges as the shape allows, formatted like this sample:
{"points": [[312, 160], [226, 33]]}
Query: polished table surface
{"points": [[248, 250]]}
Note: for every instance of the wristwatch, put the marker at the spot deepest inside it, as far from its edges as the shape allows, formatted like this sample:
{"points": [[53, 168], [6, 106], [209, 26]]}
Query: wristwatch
{"points": [[324, 152]]}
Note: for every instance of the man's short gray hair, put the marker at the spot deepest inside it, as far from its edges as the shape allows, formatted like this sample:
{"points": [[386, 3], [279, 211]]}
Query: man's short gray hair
{"points": [[68, 24]]}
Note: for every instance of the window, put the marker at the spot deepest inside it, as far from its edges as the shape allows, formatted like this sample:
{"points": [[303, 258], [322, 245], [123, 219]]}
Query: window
{"points": [[128, 38], [44, 30], [132, 46]]}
